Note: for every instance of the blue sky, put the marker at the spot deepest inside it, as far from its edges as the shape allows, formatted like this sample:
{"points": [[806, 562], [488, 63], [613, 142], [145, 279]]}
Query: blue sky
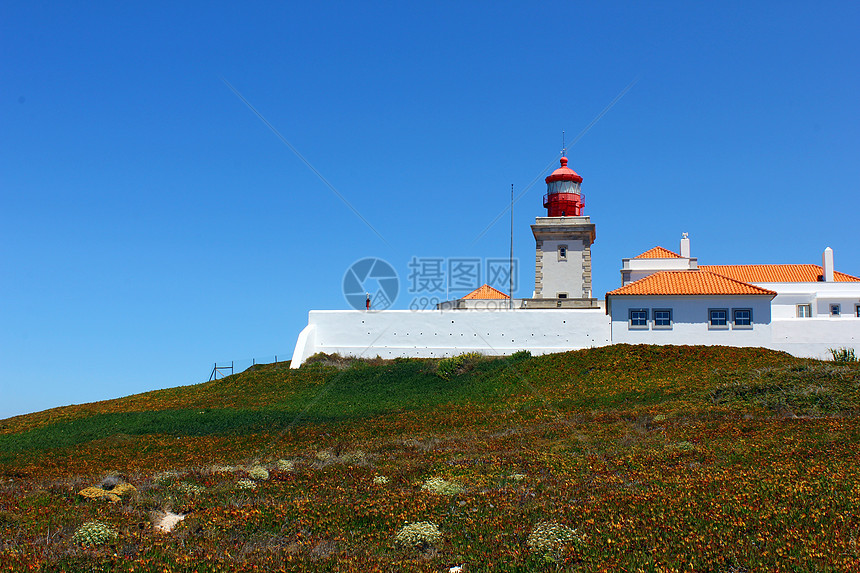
{"points": [[152, 224]]}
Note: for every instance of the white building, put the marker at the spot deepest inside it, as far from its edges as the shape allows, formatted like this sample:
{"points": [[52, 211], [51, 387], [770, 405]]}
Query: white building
{"points": [[803, 309], [665, 298]]}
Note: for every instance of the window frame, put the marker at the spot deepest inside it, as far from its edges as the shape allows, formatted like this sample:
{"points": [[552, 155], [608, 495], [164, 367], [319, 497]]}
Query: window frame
{"points": [[654, 319], [837, 307], [735, 324], [711, 325], [562, 252], [630, 325], [808, 308]]}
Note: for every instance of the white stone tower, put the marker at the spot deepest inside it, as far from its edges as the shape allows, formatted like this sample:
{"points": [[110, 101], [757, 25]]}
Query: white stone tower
{"points": [[563, 244]]}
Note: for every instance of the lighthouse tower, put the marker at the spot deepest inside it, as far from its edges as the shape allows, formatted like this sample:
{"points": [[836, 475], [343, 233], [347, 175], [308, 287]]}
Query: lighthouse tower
{"points": [[563, 244]]}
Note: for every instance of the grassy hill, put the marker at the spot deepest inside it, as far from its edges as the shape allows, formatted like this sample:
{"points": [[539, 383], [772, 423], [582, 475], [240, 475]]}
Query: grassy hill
{"points": [[632, 458]]}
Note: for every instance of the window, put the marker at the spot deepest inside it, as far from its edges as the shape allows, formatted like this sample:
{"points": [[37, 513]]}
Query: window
{"points": [[561, 295], [562, 252], [638, 319], [662, 319], [835, 310], [857, 310], [804, 310], [718, 318], [742, 318]]}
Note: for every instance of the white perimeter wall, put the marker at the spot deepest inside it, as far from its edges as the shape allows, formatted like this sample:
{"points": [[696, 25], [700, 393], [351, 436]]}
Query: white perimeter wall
{"points": [[814, 337], [435, 333], [690, 317]]}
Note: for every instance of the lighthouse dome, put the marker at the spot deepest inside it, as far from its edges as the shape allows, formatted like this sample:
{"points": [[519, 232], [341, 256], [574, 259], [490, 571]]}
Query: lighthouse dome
{"points": [[563, 173]]}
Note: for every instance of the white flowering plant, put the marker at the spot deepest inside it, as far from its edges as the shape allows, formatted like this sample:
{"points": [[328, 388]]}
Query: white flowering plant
{"points": [[162, 478], [259, 473], [246, 484], [549, 536], [94, 533], [188, 488], [421, 534], [221, 469], [285, 465], [442, 486]]}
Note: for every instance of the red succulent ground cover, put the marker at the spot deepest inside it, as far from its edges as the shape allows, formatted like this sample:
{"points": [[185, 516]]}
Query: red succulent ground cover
{"points": [[659, 458]]}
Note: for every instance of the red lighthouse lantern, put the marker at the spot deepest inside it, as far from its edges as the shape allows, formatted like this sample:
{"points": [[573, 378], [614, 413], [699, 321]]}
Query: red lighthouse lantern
{"points": [[563, 196]]}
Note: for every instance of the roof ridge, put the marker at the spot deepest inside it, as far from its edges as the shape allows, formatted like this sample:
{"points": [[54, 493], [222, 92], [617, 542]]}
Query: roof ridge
{"points": [[658, 250], [780, 272], [655, 277]]}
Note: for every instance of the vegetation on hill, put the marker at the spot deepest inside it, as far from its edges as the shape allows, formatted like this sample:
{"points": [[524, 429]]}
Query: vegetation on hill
{"points": [[632, 458]]}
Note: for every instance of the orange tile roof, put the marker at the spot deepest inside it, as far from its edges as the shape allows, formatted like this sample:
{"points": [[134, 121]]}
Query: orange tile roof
{"points": [[775, 273], [485, 292], [698, 282], [658, 253]]}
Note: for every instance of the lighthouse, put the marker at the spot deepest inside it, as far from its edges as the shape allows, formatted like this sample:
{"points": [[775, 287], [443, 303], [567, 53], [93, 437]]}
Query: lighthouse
{"points": [[563, 240], [563, 195]]}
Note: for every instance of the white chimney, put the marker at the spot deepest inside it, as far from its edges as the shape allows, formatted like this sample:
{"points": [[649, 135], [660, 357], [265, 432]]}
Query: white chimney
{"points": [[685, 246], [827, 265]]}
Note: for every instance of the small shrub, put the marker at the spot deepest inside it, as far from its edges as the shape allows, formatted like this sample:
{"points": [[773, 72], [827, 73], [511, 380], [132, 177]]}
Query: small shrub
{"points": [[110, 481], [259, 473], [843, 354], [519, 356], [442, 487], [421, 534], [336, 360], [162, 478], [285, 465], [188, 488], [93, 533], [353, 457], [517, 477], [549, 536], [381, 480], [683, 446], [219, 469], [325, 456], [447, 368], [9, 518]]}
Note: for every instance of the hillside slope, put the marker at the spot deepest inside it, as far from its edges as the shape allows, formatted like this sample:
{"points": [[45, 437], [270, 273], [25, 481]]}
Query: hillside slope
{"points": [[649, 458]]}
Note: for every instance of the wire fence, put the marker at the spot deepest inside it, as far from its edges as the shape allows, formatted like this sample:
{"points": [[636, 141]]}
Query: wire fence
{"points": [[226, 368]]}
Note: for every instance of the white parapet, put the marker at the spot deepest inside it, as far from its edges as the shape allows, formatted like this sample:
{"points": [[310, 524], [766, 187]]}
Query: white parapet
{"points": [[440, 333]]}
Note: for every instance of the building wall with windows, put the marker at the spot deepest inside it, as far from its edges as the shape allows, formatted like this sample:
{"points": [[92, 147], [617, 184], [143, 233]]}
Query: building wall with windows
{"points": [[689, 320], [816, 297]]}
